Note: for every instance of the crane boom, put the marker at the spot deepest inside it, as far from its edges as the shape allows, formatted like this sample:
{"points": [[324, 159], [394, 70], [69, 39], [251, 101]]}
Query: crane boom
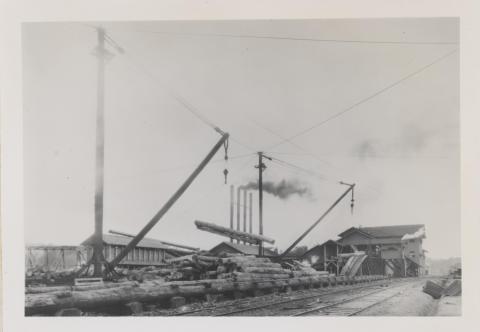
{"points": [[169, 203], [350, 188]]}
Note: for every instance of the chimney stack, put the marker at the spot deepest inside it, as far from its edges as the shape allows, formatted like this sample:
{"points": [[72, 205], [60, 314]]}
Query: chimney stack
{"points": [[238, 210], [245, 211], [250, 207], [232, 198]]}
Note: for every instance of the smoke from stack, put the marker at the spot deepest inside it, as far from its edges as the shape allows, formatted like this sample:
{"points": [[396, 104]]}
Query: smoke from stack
{"points": [[283, 189]]}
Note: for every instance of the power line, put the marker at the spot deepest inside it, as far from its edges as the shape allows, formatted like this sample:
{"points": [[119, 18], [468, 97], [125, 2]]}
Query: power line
{"points": [[388, 87], [343, 41], [182, 166], [288, 141], [296, 170], [193, 110], [242, 144], [299, 168], [240, 170], [182, 101], [176, 96]]}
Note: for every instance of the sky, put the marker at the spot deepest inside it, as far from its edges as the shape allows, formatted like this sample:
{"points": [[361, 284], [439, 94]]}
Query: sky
{"points": [[382, 114]]}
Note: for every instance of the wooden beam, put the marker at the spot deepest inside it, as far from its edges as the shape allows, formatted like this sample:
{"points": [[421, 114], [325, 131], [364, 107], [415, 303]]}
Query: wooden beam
{"points": [[230, 233]]}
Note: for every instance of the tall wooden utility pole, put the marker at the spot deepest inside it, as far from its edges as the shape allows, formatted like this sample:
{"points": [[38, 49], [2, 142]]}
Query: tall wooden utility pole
{"points": [[100, 52], [103, 55], [261, 167]]}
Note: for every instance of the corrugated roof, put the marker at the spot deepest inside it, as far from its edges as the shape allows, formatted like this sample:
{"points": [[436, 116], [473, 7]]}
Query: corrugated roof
{"points": [[321, 245], [385, 231], [246, 249], [124, 240]]}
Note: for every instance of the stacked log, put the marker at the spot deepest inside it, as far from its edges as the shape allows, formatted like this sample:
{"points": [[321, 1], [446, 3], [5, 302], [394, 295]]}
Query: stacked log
{"points": [[255, 268], [41, 276], [212, 275], [150, 291], [189, 267]]}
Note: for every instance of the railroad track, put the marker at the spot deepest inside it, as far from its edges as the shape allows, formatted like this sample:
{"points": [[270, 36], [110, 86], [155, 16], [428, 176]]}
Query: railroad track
{"points": [[351, 306], [285, 304]]}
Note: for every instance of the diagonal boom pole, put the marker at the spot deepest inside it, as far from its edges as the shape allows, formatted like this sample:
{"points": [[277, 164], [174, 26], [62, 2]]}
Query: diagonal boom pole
{"points": [[169, 203], [350, 188]]}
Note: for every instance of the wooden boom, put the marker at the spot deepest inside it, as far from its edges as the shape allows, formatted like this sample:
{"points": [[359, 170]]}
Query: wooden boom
{"points": [[133, 243]]}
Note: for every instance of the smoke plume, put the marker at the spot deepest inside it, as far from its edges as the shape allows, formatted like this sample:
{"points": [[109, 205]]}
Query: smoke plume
{"points": [[283, 189], [411, 141]]}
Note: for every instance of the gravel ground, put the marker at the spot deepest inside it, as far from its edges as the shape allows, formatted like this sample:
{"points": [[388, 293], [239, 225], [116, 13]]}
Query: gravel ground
{"points": [[411, 302], [449, 306]]}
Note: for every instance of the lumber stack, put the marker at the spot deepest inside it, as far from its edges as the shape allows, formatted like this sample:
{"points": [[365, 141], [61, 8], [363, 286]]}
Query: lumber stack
{"points": [[433, 289], [454, 288]]}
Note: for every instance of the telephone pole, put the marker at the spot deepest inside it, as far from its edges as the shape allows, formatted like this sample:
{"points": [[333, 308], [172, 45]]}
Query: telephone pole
{"points": [[103, 55], [100, 52], [261, 167]]}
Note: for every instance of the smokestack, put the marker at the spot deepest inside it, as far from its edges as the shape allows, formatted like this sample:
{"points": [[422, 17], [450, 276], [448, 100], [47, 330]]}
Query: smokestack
{"points": [[238, 210], [244, 211], [250, 207], [232, 198]]}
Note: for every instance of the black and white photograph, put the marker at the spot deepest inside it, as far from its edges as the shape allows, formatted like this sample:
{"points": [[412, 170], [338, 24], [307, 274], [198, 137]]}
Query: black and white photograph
{"points": [[242, 168]]}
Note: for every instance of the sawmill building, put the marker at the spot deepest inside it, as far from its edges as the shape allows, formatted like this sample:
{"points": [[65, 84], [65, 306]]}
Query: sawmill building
{"points": [[147, 252], [399, 247], [323, 257]]}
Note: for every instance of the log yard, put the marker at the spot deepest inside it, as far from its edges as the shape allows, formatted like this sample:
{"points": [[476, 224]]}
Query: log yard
{"points": [[277, 245]]}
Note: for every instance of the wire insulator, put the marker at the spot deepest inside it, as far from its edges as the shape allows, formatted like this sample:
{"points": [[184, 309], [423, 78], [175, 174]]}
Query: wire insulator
{"points": [[352, 202], [225, 173], [225, 146]]}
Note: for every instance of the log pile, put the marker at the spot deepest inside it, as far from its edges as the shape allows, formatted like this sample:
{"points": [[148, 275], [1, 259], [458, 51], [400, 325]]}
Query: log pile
{"points": [[254, 268], [188, 276], [40, 276], [189, 267], [151, 291]]}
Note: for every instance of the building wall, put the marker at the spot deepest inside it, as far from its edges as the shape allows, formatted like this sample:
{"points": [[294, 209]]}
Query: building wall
{"points": [[137, 256], [413, 249], [391, 251], [316, 256], [222, 248], [356, 238], [54, 258]]}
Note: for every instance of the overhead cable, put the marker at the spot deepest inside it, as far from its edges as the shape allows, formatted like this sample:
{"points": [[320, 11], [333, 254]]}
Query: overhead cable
{"points": [[388, 87], [343, 41]]}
